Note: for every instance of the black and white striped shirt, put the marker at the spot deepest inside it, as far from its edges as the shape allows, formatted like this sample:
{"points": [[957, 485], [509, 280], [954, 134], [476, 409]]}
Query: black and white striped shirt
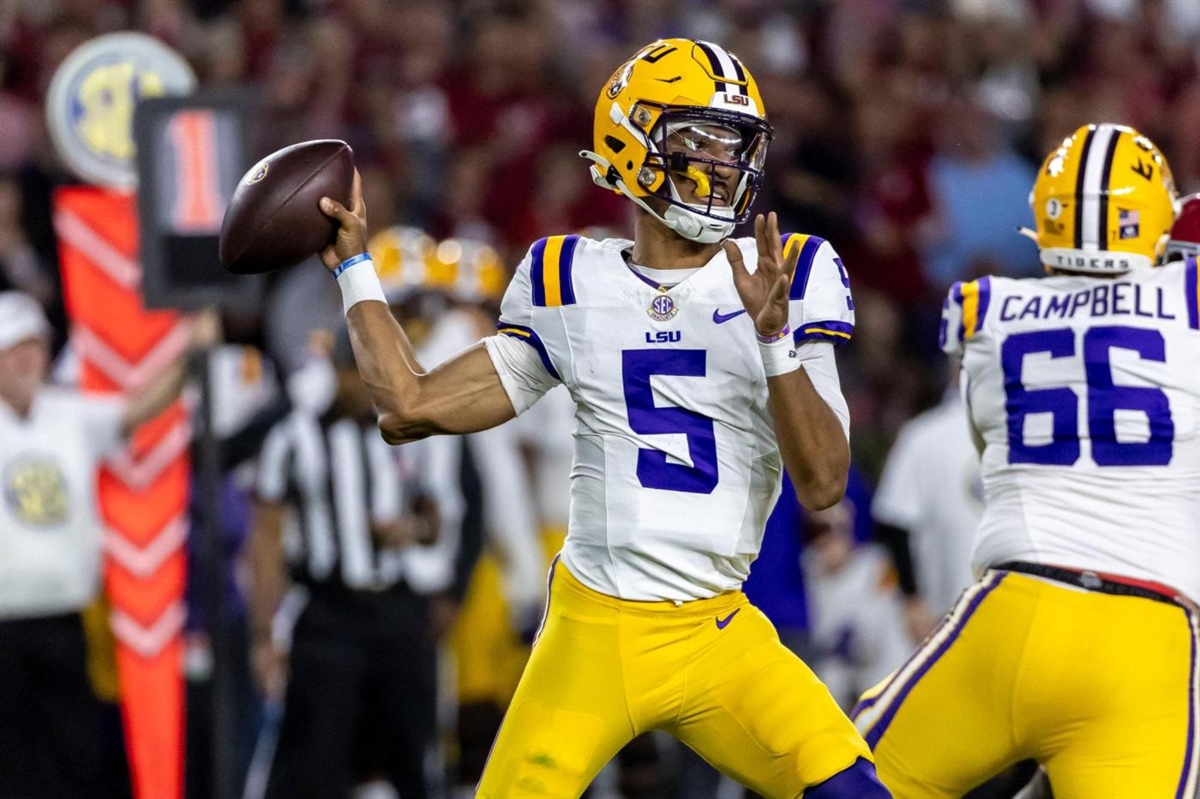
{"points": [[340, 478]]}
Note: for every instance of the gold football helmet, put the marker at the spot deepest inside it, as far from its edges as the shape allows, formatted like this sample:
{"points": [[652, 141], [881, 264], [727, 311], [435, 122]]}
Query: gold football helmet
{"points": [[1103, 202], [679, 110], [403, 259], [472, 270]]}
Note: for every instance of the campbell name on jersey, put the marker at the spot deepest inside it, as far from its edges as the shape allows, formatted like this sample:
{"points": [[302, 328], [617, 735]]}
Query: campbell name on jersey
{"points": [[676, 467], [1085, 392]]}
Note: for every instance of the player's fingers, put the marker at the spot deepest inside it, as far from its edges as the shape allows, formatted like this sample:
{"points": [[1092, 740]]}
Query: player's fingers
{"points": [[779, 292], [774, 240], [760, 237], [332, 208], [357, 204], [734, 254]]}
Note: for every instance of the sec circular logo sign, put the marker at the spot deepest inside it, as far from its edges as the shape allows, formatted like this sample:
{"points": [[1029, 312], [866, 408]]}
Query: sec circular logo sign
{"points": [[92, 97]]}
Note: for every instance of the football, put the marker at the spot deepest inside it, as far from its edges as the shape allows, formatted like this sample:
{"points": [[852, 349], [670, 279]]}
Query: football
{"points": [[273, 219]]}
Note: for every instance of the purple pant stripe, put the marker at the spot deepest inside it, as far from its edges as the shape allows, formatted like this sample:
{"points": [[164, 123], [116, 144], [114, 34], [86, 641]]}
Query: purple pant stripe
{"points": [[881, 726]]}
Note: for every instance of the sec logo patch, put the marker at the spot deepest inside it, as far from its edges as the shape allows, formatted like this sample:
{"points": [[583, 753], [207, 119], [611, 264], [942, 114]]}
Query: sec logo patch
{"points": [[662, 308], [36, 492]]}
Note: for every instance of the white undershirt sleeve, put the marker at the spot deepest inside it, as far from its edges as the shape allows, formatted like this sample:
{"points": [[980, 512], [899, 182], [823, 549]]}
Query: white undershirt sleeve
{"points": [[819, 362], [522, 373]]}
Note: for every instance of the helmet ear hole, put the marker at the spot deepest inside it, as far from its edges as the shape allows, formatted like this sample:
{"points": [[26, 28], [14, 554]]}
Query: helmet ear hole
{"points": [[613, 142]]}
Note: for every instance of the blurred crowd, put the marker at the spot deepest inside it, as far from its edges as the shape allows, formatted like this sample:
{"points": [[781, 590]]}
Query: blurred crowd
{"points": [[907, 132]]}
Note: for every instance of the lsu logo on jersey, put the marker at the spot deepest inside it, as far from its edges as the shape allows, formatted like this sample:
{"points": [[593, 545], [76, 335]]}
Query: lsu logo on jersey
{"points": [[36, 492]]}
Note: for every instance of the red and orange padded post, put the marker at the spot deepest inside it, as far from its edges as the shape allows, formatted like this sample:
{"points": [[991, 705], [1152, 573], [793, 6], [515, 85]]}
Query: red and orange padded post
{"points": [[143, 491]]}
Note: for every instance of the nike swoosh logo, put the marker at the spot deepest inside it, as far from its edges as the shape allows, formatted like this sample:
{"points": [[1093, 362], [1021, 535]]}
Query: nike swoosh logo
{"points": [[723, 623], [680, 77], [721, 318]]}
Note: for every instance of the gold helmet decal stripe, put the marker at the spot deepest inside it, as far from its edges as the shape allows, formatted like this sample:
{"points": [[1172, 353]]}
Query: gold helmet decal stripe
{"points": [[1102, 218], [1105, 175], [724, 66], [1097, 160]]}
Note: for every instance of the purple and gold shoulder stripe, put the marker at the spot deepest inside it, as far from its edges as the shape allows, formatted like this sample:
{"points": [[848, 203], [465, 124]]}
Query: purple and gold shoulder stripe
{"points": [[973, 299], [834, 331], [527, 334], [550, 265], [807, 246]]}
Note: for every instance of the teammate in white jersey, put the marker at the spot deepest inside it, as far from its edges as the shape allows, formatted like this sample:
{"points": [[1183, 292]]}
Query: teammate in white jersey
{"points": [[700, 366], [1078, 647]]}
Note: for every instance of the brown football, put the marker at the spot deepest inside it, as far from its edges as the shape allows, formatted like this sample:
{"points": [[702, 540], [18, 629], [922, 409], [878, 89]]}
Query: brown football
{"points": [[273, 219]]}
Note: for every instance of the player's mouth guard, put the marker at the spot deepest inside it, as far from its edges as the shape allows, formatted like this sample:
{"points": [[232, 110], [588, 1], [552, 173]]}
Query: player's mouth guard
{"points": [[703, 185]]}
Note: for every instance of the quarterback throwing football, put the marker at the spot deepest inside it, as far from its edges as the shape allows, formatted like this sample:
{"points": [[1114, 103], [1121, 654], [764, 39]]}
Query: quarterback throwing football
{"points": [[700, 367], [1078, 647]]}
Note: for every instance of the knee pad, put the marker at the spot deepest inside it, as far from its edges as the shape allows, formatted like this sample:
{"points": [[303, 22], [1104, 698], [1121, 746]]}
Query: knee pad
{"points": [[857, 782]]}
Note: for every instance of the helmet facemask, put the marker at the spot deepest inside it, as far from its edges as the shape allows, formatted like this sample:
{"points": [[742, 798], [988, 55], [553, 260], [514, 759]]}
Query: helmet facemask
{"points": [[705, 165]]}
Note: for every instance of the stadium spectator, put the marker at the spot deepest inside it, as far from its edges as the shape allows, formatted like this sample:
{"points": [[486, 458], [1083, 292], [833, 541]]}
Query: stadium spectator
{"points": [[970, 162], [858, 635]]}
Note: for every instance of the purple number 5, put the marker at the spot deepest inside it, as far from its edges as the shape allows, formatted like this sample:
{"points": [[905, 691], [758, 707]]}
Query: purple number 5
{"points": [[646, 418]]}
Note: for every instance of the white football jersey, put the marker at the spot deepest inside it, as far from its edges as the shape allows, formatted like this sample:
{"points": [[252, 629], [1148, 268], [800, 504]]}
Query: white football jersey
{"points": [[676, 465], [51, 531], [1086, 394], [931, 487]]}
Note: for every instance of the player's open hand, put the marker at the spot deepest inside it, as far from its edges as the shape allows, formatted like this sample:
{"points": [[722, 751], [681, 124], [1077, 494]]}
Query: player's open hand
{"points": [[764, 293], [352, 226]]}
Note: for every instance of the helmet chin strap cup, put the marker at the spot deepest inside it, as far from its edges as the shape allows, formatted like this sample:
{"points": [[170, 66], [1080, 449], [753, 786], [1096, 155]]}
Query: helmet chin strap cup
{"points": [[689, 225]]}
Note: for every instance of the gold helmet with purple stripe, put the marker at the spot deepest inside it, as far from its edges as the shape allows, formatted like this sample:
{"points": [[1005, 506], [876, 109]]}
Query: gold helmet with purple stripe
{"points": [[677, 111]]}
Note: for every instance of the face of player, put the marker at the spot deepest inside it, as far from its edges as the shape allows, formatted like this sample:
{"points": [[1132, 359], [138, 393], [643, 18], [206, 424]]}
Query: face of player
{"points": [[23, 369], [701, 183]]}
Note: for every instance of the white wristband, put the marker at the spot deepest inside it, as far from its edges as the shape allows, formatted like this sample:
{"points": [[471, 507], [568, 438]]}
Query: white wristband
{"points": [[359, 282], [779, 357]]}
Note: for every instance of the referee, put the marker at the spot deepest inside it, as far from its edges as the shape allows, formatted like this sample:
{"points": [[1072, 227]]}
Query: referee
{"points": [[340, 602]]}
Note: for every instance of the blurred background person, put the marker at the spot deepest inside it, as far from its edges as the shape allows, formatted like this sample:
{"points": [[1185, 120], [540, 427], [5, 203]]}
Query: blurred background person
{"points": [[927, 508], [447, 295], [858, 634], [52, 441], [340, 634]]}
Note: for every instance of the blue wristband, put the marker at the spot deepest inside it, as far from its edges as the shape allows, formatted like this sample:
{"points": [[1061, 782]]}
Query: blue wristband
{"points": [[349, 262]]}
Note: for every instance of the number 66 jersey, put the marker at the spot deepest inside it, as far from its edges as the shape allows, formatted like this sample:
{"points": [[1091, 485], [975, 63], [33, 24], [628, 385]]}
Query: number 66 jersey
{"points": [[1086, 393], [676, 466]]}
